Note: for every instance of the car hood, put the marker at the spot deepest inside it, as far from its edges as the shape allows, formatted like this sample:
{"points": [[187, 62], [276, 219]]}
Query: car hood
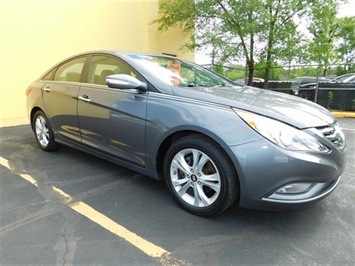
{"points": [[287, 108]]}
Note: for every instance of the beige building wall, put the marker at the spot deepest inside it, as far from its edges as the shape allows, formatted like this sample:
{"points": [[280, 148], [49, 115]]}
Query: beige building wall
{"points": [[35, 35]]}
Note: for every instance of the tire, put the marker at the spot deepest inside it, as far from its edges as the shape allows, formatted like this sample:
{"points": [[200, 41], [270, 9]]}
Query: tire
{"points": [[43, 132], [200, 176]]}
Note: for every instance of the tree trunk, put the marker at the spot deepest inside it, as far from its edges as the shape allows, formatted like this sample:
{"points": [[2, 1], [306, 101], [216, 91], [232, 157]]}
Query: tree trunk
{"points": [[250, 64]]}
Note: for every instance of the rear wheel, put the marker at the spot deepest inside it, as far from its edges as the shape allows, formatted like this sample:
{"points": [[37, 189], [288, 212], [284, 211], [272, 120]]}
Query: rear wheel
{"points": [[43, 132], [200, 176]]}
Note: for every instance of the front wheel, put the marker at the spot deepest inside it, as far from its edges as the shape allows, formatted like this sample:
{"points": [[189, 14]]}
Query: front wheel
{"points": [[43, 132], [200, 176]]}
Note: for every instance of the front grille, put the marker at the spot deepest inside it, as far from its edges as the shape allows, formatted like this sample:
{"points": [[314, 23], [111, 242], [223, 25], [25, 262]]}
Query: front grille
{"points": [[334, 134]]}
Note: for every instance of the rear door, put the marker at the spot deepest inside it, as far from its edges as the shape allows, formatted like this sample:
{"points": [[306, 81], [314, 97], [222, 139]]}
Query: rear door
{"points": [[60, 97], [112, 120]]}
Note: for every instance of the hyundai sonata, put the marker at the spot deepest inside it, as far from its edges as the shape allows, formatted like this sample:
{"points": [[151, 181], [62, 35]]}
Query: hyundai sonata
{"points": [[211, 141]]}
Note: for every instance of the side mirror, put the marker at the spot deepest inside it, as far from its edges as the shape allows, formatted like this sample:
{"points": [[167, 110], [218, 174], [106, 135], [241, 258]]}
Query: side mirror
{"points": [[123, 81]]}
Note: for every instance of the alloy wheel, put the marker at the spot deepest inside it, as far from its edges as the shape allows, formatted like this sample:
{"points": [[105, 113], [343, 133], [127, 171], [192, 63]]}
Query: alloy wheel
{"points": [[195, 177], [42, 131]]}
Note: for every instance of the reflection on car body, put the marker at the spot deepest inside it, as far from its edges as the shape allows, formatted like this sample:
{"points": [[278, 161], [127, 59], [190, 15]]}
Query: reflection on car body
{"points": [[213, 142]]}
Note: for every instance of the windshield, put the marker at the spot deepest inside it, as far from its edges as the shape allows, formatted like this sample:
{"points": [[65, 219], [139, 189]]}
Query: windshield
{"points": [[179, 73]]}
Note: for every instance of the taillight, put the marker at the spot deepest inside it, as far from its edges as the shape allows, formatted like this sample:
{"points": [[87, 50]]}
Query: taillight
{"points": [[28, 91]]}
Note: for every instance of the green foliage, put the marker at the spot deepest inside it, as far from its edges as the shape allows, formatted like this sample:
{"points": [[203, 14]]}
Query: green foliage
{"points": [[233, 27], [340, 70], [233, 73], [330, 99], [275, 72], [302, 72], [323, 26], [346, 30], [263, 33]]}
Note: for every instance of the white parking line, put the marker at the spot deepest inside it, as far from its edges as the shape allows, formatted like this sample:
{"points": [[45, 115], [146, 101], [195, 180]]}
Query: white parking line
{"points": [[152, 250]]}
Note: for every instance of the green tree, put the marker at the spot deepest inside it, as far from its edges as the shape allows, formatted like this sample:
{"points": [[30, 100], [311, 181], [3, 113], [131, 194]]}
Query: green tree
{"points": [[235, 29], [275, 72], [279, 32], [324, 30], [346, 35], [261, 31]]}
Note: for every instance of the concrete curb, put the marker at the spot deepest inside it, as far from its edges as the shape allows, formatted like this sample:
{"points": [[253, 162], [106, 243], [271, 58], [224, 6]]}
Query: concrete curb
{"points": [[344, 114]]}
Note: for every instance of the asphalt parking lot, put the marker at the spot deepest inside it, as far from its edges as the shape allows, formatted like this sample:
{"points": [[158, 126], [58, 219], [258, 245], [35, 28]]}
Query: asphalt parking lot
{"points": [[67, 207]]}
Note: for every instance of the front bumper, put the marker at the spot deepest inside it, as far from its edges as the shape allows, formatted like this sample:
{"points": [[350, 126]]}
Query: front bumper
{"points": [[263, 168]]}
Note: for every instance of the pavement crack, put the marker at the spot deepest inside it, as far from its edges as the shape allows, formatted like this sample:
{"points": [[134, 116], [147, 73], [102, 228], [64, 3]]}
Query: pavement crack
{"points": [[66, 243]]}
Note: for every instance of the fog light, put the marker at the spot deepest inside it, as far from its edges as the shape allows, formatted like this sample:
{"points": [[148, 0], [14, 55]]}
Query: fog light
{"points": [[294, 188]]}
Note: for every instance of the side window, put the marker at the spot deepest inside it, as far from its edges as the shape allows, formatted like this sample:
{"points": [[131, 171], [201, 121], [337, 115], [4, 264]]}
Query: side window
{"points": [[50, 75], [70, 71], [102, 66]]}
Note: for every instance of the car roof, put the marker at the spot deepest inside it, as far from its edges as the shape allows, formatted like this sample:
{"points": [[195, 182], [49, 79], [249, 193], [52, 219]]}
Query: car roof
{"points": [[345, 77], [122, 53], [308, 79]]}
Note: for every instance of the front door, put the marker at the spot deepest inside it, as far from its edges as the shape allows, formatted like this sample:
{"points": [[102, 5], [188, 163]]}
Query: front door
{"points": [[112, 120]]}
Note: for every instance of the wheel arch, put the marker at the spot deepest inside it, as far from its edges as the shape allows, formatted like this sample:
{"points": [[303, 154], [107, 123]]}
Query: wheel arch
{"points": [[32, 114], [174, 136], [229, 188]]}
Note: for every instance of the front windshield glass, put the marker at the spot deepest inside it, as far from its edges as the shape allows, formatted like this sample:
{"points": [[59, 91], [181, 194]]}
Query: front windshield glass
{"points": [[181, 73]]}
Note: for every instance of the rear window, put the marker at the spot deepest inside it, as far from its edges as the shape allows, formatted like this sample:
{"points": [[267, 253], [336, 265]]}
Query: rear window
{"points": [[50, 75], [70, 71]]}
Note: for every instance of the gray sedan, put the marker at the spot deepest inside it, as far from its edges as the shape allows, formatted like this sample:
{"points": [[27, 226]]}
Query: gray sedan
{"points": [[212, 142]]}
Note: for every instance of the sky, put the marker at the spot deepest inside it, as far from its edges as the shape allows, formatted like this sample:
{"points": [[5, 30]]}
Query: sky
{"points": [[347, 9]]}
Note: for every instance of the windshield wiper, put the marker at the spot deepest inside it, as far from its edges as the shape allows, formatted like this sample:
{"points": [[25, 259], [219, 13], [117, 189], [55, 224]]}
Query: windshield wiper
{"points": [[199, 85], [208, 85]]}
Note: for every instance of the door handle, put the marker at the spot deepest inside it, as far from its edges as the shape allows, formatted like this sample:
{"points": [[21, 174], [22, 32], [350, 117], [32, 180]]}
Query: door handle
{"points": [[84, 98], [47, 89]]}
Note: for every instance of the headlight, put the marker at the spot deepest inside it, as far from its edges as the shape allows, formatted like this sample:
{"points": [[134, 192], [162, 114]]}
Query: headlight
{"points": [[283, 135]]}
